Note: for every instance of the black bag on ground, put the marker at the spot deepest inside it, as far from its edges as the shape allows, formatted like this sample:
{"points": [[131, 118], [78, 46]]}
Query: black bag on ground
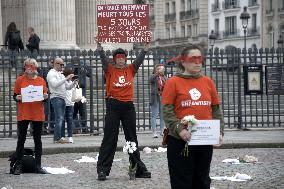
{"points": [[28, 161]]}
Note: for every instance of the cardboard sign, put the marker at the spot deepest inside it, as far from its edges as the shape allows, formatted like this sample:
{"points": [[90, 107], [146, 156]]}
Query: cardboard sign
{"points": [[123, 23], [208, 133]]}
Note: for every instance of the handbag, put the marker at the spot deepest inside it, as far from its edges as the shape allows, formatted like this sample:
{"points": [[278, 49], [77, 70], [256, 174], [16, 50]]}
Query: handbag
{"points": [[77, 94], [165, 137], [28, 161]]}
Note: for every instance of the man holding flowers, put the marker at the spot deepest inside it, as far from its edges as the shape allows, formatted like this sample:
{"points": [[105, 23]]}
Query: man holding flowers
{"points": [[188, 97]]}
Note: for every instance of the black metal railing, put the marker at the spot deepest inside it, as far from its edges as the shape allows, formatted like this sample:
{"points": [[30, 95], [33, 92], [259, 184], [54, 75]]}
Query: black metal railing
{"points": [[225, 67], [252, 3], [215, 7], [229, 4], [184, 15], [254, 31], [269, 12], [170, 17], [231, 33]]}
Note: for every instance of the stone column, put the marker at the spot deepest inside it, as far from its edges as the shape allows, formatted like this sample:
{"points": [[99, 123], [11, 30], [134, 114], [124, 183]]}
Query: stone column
{"points": [[54, 21], [1, 28], [86, 22]]}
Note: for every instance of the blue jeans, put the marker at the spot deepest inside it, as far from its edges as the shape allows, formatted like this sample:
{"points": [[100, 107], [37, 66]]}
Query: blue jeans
{"points": [[69, 120], [156, 109], [59, 113]]}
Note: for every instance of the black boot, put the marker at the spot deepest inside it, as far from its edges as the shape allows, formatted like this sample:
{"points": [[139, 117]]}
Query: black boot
{"points": [[39, 170], [18, 167]]}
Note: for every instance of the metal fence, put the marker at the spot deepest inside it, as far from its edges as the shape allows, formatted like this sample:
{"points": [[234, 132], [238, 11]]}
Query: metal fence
{"points": [[244, 104]]}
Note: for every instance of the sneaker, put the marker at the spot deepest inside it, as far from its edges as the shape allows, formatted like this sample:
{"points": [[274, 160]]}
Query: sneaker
{"points": [[155, 135], [62, 141], [70, 140], [101, 176], [145, 174]]}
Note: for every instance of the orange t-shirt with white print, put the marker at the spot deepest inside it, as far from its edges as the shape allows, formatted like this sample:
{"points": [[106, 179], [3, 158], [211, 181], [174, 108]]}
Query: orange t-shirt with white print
{"points": [[119, 82], [33, 111], [191, 96]]}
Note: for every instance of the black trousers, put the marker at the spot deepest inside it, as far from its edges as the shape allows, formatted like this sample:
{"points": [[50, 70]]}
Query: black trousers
{"points": [[190, 172], [22, 133], [82, 109], [117, 111]]}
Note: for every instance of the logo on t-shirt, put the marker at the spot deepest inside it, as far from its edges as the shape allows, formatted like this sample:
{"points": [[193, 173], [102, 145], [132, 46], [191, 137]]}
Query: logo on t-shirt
{"points": [[195, 94], [194, 101], [121, 82]]}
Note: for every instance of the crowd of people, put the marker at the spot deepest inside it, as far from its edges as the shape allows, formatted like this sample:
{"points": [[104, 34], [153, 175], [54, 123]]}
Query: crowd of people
{"points": [[167, 97]]}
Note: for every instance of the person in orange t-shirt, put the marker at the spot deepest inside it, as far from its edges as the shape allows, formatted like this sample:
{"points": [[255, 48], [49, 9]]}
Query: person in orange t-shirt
{"points": [[119, 79], [29, 112], [189, 93]]}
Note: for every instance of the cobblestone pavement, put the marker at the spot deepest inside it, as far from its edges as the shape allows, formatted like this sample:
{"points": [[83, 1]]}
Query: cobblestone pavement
{"points": [[267, 174]]}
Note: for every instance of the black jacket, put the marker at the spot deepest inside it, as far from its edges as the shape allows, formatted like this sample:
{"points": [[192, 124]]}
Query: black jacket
{"points": [[14, 45], [33, 43]]}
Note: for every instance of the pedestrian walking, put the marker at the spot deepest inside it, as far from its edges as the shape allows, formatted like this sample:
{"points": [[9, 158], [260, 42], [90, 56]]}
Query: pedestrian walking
{"points": [[14, 43], [157, 81], [33, 42], [189, 85], [119, 108], [29, 112]]}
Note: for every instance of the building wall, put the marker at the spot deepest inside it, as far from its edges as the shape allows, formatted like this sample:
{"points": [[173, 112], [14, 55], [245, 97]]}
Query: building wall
{"points": [[227, 37], [61, 24], [180, 22], [273, 22]]}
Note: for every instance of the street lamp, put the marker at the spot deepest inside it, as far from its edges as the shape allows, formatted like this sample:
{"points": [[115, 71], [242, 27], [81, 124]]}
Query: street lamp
{"points": [[212, 37], [280, 43], [244, 17]]}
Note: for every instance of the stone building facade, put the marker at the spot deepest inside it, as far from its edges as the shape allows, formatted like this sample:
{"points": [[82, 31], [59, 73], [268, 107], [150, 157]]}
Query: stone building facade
{"points": [[61, 24], [179, 22], [224, 20], [273, 22]]}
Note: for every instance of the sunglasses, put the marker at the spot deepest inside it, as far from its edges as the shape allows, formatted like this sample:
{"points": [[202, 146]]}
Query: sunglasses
{"points": [[193, 59], [62, 65]]}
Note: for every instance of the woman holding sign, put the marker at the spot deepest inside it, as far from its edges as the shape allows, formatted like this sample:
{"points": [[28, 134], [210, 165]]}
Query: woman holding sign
{"points": [[29, 91], [119, 108], [189, 93]]}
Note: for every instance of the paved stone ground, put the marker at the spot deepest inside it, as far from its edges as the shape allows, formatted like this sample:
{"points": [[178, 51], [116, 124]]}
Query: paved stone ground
{"points": [[267, 174]]}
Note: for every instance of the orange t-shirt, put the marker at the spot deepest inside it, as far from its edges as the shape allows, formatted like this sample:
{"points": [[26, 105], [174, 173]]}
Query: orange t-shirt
{"points": [[33, 111], [119, 82], [191, 96]]}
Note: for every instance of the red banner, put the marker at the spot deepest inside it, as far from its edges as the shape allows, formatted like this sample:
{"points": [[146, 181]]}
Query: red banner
{"points": [[123, 23]]}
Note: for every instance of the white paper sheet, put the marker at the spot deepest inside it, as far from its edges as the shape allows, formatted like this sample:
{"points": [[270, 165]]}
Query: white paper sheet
{"points": [[56, 171], [208, 133], [32, 93]]}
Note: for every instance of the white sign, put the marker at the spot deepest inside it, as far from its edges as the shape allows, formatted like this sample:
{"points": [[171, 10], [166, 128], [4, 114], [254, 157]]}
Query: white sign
{"points": [[208, 133], [32, 93]]}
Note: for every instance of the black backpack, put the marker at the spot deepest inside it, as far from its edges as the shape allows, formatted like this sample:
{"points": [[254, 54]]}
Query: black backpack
{"points": [[28, 161], [15, 38]]}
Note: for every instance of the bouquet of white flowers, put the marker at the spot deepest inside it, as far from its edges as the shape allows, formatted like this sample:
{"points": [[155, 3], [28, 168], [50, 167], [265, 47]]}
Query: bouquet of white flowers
{"points": [[188, 123], [130, 148]]}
